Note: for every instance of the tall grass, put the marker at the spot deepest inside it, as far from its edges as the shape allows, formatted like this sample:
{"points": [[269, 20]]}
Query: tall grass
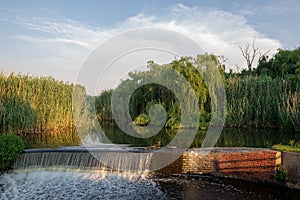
{"points": [[33, 105], [289, 110], [262, 102]]}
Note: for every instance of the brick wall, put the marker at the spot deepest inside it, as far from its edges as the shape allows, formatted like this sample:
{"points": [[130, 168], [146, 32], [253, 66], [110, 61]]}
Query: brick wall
{"points": [[243, 163]]}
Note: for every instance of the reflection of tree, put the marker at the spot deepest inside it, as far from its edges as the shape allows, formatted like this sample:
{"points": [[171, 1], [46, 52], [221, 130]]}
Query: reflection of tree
{"points": [[117, 136], [228, 138]]}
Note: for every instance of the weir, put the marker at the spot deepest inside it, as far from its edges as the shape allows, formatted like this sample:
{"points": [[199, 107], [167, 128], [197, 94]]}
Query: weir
{"points": [[84, 160], [242, 163], [103, 157]]}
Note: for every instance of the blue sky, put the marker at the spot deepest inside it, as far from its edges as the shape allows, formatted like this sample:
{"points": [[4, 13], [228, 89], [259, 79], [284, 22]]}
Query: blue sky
{"points": [[53, 37]]}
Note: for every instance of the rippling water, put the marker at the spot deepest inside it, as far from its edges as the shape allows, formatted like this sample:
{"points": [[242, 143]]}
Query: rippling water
{"points": [[99, 185]]}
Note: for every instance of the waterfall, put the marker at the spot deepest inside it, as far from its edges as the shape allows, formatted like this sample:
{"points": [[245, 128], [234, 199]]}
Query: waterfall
{"points": [[119, 161]]}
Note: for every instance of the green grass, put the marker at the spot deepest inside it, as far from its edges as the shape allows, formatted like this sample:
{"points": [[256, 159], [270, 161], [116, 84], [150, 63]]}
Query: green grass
{"points": [[288, 148]]}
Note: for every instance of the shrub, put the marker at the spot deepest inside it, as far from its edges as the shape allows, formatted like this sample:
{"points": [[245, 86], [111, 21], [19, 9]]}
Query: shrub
{"points": [[10, 148], [281, 174], [142, 120], [173, 122]]}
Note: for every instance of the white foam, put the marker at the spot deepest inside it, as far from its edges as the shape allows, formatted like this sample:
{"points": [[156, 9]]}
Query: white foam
{"points": [[74, 185]]}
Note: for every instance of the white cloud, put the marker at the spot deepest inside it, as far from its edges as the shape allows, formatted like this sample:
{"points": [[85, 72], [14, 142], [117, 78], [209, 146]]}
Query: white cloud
{"points": [[246, 12], [217, 31], [66, 42], [64, 30]]}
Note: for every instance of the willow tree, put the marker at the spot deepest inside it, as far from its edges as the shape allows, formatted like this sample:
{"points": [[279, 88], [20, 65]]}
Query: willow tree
{"points": [[149, 93]]}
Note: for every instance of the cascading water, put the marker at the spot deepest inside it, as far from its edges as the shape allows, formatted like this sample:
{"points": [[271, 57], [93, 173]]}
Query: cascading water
{"points": [[84, 160]]}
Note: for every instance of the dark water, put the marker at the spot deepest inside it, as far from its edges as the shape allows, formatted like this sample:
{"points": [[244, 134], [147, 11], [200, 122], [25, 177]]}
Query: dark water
{"points": [[208, 187], [228, 138]]}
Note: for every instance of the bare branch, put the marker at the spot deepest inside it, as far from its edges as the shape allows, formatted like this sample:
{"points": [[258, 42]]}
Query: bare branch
{"points": [[251, 53]]}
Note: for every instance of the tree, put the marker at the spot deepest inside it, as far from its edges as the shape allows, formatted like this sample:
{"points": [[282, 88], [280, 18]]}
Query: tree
{"points": [[284, 64], [251, 53], [149, 93]]}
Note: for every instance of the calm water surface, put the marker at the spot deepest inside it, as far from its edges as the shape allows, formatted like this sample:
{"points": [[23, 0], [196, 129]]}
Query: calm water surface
{"points": [[228, 138]]}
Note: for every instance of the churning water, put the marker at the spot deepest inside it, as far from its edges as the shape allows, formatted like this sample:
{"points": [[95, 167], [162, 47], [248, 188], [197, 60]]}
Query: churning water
{"points": [[76, 185]]}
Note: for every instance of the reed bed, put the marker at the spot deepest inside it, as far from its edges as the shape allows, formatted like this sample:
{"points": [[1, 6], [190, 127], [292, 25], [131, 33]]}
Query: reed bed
{"points": [[262, 102], [34, 104]]}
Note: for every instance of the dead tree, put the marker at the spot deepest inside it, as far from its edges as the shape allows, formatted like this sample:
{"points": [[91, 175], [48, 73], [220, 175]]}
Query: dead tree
{"points": [[250, 53]]}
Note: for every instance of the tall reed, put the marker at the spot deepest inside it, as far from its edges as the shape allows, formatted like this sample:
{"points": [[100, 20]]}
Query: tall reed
{"points": [[289, 110], [33, 105], [258, 102]]}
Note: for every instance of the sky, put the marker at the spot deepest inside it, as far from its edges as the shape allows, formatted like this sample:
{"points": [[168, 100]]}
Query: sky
{"points": [[56, 37]]}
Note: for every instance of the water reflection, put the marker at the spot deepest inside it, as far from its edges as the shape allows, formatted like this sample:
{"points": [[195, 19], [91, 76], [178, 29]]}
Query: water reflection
{"points": [[52, 139], [208, 187], [228, 138]]}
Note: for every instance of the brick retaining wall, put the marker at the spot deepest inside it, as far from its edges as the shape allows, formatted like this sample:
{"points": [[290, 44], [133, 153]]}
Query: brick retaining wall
{"points": [[242, 163]]}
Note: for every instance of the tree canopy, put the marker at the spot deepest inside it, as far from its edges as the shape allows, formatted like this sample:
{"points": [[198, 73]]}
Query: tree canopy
{"points": [[285, 64]]}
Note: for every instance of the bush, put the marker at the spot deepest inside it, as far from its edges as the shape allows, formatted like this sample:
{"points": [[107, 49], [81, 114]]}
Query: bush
{"points": [[173, 122], [142, 120], [10, 148], [281, 174]]}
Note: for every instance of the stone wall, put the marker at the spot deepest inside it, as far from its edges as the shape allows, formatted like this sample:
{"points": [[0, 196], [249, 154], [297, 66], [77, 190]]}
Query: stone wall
{"points": [[291, 164], [242, 163]]}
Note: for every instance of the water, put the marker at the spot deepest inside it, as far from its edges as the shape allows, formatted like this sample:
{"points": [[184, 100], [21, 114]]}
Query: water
{"points": [[47, 184], [228, 138], [81, 159], [74, 174], [74, 185], [208, 187]]}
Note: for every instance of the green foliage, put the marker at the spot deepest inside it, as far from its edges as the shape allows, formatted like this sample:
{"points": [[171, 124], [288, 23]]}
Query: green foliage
{"points": [[10, 148], [142, 120], [32, 104], [16, 115], [285, 64], [173, 122], [287, 148], [266, 98], [149, 94], [289, 110], [255, 101], [204, 120], [83, 110], [102, 105], [281, 174], [292, 142]]}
